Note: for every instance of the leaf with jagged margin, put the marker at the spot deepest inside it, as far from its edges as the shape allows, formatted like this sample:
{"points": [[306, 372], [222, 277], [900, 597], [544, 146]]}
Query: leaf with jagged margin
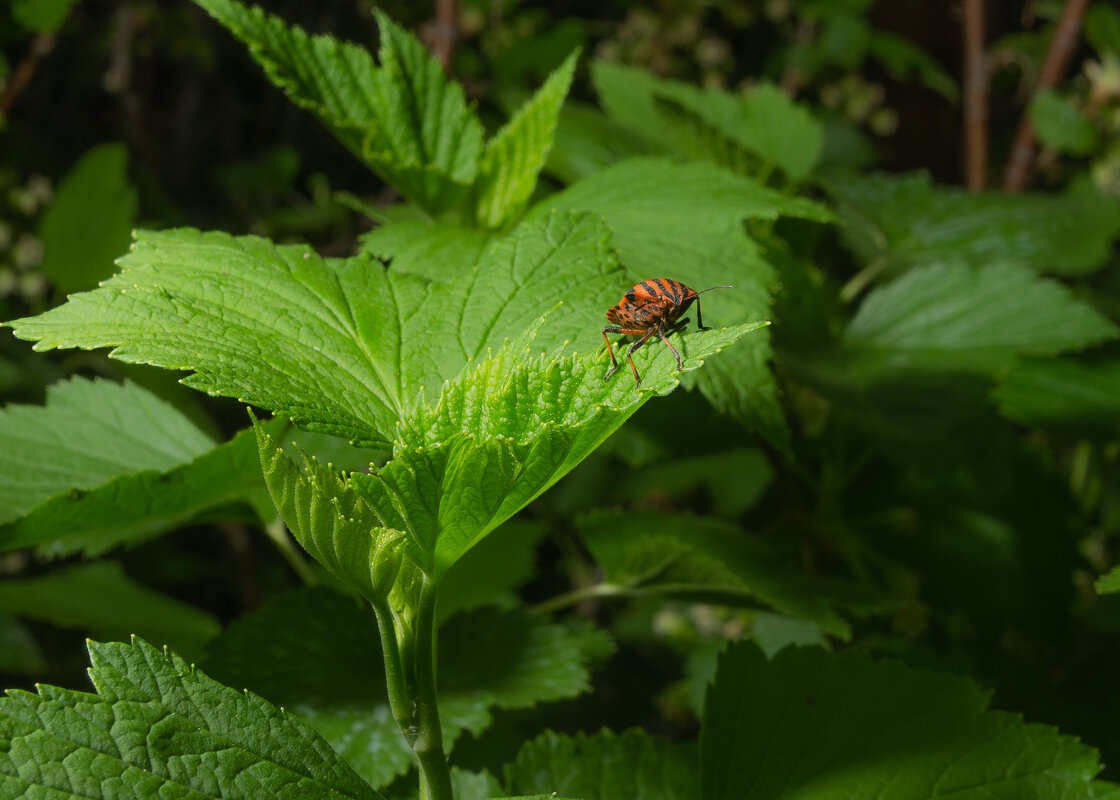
{"points": [[316, 652], [606, 766], [504, 431], [90, 222], [702, 559], [587, 141], [901, 221], [158, 727], [515, 155], [100, 600], [88, 432], [134, 507], [627, 96], [342, 346], [1062, 393], [405, 119], [812, 724], [685, 221], [955, 317]]}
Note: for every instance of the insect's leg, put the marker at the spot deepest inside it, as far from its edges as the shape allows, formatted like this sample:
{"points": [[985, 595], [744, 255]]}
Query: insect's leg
{"points": [[678, 326], [699, 318], [610, 348], [676, 355], [630, 352]]}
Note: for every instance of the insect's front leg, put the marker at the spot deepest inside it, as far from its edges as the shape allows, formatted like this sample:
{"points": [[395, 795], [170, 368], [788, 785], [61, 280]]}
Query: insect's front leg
{"points": [[610, 348]]}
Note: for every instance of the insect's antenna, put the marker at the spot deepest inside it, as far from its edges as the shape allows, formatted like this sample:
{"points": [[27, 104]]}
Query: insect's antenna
{"points": [[714, 287]]}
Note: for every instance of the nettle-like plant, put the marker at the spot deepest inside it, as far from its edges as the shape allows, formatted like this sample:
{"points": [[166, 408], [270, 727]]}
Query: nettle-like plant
{"points": [[462, 348]]}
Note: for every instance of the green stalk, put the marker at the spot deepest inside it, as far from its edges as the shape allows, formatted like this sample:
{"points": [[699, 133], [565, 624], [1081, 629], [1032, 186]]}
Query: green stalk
{"points": [[395, 686], [435, 777]]}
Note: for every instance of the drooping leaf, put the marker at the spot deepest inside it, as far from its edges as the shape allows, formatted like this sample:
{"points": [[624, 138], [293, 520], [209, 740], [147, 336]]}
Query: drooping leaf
{"points": [[514, 157], [606, 766], [703, 559], [904, 221], [340, 345], [810, 724], [158, 727], [1062, 393], [100, 600], [89, 224], [1061, 125], [685, 221], [404, 118], [88, 432], [316, 652], [135, 506], [959, 318]]}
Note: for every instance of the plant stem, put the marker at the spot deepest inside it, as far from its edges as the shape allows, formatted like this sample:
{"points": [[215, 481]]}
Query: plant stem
{"points": [[576, 596], [399, 702], [435, 778], [975, 96]]}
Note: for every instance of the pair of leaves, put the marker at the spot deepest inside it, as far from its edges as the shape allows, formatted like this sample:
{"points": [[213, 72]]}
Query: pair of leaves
{"points": [[404, 118], [805, 723]]}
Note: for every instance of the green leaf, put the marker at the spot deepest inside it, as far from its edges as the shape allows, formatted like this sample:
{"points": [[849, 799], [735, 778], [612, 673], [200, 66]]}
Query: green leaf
{"points": [[514, 157], [1062, 393], [101, 600], [959, 318], [505, 431], [685, 221], [733, 480], [902, 221], [1059, 124], [440, 251], [779, 131], [490, 572], [89, 224], [627, 96], [340, 345], [88, 432], [1102, 28], [811, 724], [605, 766], [136, 506], [1109, 583], [902, 58], [160, 728], [316, 652], [588, 141], [405, 119], [702, 559], [42, 16], [19, 652]]}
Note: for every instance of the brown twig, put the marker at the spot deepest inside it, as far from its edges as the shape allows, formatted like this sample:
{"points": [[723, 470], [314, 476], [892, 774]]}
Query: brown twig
{"points": [[444, 33], [975, 97], [1057, 59], [41, 45]]}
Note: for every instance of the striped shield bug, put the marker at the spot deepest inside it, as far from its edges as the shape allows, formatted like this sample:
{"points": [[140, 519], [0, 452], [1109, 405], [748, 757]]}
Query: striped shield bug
{"points": [[652, 308]]}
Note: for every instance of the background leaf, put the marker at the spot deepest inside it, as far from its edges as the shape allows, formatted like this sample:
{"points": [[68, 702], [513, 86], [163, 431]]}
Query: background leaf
{"points": [[100, 600], [1061, 125], [157, 725], [42, 16], [89, 224], [807, 723], [1079, 395]]}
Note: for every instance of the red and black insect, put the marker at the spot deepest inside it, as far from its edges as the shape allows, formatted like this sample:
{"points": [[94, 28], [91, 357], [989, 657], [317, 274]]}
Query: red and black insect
{"points": [[652, 308]]}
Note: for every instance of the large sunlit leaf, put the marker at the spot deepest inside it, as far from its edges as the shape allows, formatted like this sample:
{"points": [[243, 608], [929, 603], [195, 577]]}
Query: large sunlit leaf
{"points": [[316, 652], [88, 432], [90, 222], [959, 318], [899, 221], [514, 157], [405, 118], [342, 346], [158, 727], [685, 221], [811, 724], [606, 766], [100, 600], [701, 559]]}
